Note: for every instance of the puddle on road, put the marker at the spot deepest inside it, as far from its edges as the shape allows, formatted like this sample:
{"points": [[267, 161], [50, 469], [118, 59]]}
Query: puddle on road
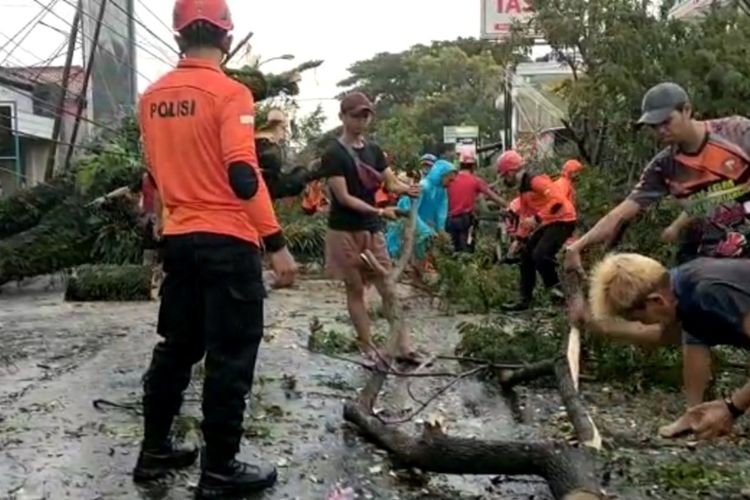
{"points": [[55, 444]]}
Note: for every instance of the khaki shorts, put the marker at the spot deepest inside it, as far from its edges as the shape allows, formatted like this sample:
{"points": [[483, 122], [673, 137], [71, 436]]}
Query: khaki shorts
{"points": [[343, 250]]}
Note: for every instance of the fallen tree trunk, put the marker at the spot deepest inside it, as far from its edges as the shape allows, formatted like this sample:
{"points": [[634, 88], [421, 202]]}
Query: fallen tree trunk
{"points": [[93, 283], [569, 471]]}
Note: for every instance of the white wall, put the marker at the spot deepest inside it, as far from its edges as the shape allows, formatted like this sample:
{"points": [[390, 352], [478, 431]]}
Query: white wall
{"points": [[36, 153], [21, 98]]}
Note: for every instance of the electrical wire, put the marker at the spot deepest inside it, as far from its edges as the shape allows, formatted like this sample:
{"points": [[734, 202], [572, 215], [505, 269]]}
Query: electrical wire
{"points": [[143, 25], [18, 73], [158, 18], [91, 149], [50, 107], [118, 31], [33, 22], [99, 46]]}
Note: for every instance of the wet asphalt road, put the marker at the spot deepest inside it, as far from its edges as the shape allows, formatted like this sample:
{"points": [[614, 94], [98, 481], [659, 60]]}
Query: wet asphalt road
{"points": [[58, 357]]}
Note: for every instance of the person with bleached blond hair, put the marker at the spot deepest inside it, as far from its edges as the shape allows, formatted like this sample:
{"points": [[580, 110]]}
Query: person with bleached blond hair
{"points": [[636, 299]]}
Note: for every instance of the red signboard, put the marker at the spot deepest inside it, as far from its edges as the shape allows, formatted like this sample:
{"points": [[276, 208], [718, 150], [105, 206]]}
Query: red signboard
{"points": [[499, 15]]}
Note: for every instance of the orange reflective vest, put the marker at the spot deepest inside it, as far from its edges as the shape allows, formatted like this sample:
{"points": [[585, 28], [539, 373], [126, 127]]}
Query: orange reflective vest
{"points": [[544, 199], [314, 197]]}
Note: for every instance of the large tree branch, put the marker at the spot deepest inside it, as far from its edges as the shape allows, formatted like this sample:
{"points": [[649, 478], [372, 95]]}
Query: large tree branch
{"points": [[569, 471]]}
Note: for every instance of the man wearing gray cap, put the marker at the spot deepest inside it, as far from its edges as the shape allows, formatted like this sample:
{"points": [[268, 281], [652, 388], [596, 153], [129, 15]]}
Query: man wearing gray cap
{"points": [[705, 166]]}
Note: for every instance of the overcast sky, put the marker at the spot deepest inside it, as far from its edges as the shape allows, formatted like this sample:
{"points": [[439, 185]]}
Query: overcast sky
{"points": [[338, 31]]}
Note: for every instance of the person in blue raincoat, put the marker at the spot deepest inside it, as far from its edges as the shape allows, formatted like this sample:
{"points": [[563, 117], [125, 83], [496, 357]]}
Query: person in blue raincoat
{"points": [[432, 212]]}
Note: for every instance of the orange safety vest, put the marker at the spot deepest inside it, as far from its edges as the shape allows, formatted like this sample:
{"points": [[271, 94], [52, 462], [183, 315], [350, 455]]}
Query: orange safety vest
{"points": [[546, 201], [314, 198]]}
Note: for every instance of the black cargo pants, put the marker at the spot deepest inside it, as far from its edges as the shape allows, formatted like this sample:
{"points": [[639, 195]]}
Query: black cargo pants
{"points": [[460, 227], [212, 305], [540, 254]]}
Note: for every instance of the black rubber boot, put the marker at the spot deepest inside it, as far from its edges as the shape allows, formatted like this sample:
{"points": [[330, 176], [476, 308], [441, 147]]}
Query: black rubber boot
{"points": [[235, 478], [156, 463]]}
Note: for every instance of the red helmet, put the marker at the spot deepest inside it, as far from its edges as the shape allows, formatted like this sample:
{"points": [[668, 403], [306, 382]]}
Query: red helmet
{"points": [[215, 12], [509, 163], [467, 157]]}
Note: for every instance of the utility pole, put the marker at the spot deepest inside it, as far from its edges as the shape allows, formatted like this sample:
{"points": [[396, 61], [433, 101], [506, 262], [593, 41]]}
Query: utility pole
{"points": [[84, 90], [52, 160]]}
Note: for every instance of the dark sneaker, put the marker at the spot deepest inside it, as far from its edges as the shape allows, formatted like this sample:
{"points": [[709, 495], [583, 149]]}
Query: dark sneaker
{"points": [[517, 306], [235, 479], [158, 463], [557, 294]]}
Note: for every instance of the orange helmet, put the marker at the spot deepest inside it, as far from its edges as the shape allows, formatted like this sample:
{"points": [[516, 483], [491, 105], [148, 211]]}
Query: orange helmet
{"points": [[571, 167], [509, 163], [215, 12]]}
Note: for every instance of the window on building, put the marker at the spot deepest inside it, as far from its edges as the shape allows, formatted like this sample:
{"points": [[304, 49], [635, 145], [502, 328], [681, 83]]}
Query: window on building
{"points": [[7, 138]]}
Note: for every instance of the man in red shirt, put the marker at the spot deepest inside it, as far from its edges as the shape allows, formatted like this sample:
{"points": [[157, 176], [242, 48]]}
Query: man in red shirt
{"points": [[462, 201]]}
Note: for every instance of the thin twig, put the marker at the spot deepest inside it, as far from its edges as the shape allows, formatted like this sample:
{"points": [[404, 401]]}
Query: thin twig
{"points": [[425, 363], [412, 374], [477, 361], [432, 398]]}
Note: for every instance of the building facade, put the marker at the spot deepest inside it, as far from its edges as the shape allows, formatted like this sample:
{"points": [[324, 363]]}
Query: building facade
{"points": [[694, 9], [29, 98]]}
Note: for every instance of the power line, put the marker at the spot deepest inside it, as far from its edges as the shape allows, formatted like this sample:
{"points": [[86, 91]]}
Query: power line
{"points": [[99, 46], [118, 33], [25, 77], [32, 22], [50, 60], [159, 19], [143, 25], [54, 28], [92, 149]]}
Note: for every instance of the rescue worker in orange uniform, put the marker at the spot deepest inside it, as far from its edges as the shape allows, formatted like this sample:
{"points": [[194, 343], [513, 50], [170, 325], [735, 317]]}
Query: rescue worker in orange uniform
{"points": [[555, 217], [566, 181], [198, 136], [315, 198], [705, 165]]}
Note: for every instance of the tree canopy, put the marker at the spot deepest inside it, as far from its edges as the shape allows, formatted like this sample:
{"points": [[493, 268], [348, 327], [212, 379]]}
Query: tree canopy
{"points": [[419, 91]]}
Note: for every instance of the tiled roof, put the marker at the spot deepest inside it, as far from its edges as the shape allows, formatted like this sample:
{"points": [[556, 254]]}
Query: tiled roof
{"points": [[49, 74]]}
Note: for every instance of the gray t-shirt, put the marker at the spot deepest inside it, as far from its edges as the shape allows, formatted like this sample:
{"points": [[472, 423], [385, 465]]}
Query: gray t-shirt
{"points": [[713, 301]]}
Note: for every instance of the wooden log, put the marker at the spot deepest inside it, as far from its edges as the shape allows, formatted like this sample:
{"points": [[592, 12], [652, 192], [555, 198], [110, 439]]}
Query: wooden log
{"points": [[94, 283], [511, 378], [569, 471]]}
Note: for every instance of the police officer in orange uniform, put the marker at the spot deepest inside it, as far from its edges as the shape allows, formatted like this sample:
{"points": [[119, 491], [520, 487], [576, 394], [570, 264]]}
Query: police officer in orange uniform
{"points": [[197, 127], [554, 216]]}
